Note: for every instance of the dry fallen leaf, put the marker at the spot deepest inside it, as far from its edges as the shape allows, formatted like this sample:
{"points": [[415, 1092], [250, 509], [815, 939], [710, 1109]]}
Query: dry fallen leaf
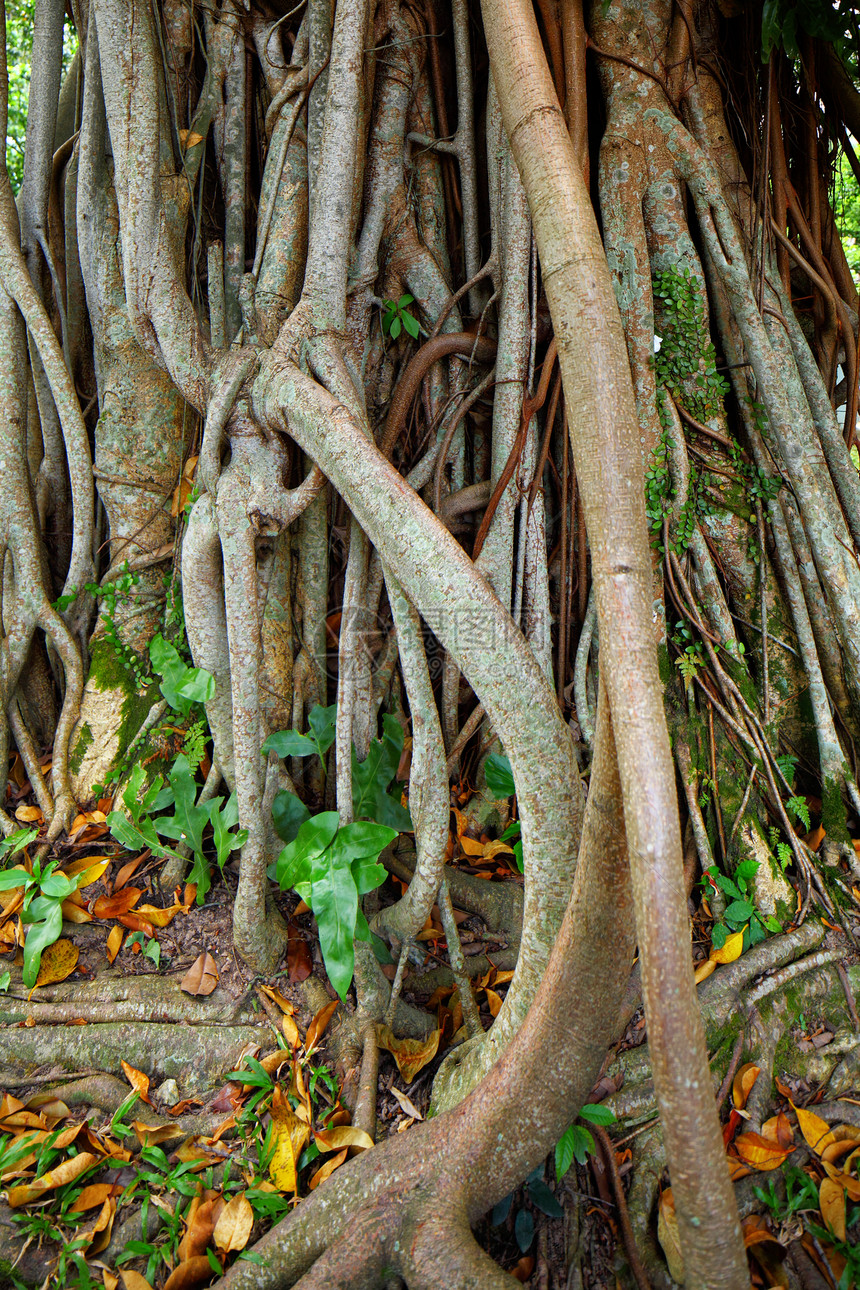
{"points": [[134, 1281], [743, 1082], [704, 970], [64, 1173], [234, 1225], [731, 950], [291, 1136], [95, 1194], [190, 1274], [202, 977], [408, 1105], [203, 1213], [344, 1135], [326, 1170], [815, 1130], [85, 870], [114, 941], [119, 903], [138, 1081], [831, 1200], [759, 1153], [317, 1028], [58, 961], [29, 815], [411, 1055]]}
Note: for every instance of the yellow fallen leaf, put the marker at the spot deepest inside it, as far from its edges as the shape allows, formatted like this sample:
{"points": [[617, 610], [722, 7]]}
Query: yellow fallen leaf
{"points": [[133, 1280], [831, 1201], [64, 1173], [704, 970], [149, 1135], [494, 1001], [291, 1136], [344, 1135], [29, 814], [58, 961], [234, 1224], [156, 915], [731, 950], [406, 1103], [411, 1055], [114, 941], [84, 869], [326, 1170], [816, 1131], [73, 911]]}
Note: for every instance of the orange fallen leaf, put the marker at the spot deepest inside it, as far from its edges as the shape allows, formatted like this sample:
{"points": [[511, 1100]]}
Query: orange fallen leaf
{"points": [[318, 1026], [831, 1201], [778, 1129], [137, 924], [114, 941], [203, 1213], [58, 961], [202, 977], [73, 912], [190, 1274], [743, 1082], [759, 1153], [133, 1280], [119, 903], [326, 1170], [29, 815], [149, 1135], [411, 1055], [65, 1172], [156, 915], [128, 869], [95, 1194], [138, 1081], [494, 1001]]}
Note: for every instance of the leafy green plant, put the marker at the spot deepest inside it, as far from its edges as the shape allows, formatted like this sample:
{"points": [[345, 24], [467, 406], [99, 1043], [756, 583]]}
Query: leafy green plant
{"points": [[782, 21], [182, 686], [5, 981], [372, 795], [540, 1196], [149, 949], [44, 892], [801, 1193], [576, 1143], [331, 867], [396, 316], [187, 823], [784, 853], [500, 782], [741, 912]]}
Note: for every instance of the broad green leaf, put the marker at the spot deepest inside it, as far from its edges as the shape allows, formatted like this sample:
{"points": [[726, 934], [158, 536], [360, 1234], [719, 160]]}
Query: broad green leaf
{"points": [[500, 778], [394, 329], [361, 839], [564, 1153], [168, 664], [314, 836], [289, 813], [501, 1210], [39, 936], [289, 743], [322, 723], [11, 878], [524, 1229], [544, 1200], [739, 911], [412, 325], [197, 685], [223, 820], [367, 875], [389, 810], [57, 886], [746, 869], [335, 905], [135, 784], [597, 1113]]}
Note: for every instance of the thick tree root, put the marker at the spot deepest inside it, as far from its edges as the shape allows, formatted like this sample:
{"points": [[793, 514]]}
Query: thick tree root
{"points": [[194, 1056]]}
